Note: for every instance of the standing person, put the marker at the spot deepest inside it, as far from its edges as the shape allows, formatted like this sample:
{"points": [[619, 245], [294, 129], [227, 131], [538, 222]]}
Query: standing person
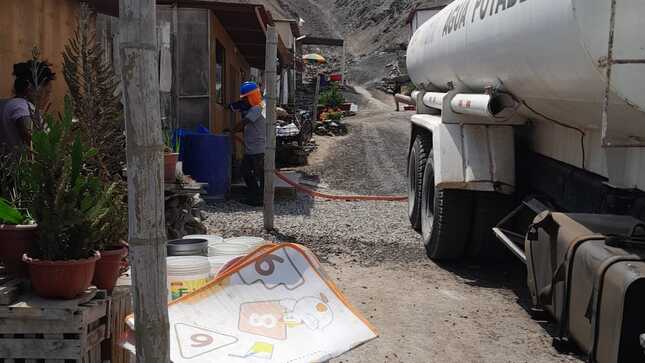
{"points": [[395, 90], [31, 86], [254, 126]]}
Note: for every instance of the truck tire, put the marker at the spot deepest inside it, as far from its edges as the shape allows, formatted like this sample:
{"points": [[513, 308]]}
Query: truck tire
{"points": [[421, 150], [445, 218], [488, 209]]}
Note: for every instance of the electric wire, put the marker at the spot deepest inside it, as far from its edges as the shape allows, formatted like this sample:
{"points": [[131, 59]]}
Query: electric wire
{"points": [[583, 134]]}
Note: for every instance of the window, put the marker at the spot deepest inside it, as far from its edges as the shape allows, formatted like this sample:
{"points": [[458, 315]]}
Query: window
{"points": [[193, 52], [193, 68], [220, 73]]}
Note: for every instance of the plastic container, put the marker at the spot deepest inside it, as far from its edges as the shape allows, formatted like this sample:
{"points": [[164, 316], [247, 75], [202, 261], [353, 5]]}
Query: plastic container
{"points": [[188, 247], [229, 249], [212, 239], [179, 135], [186, 275], [251, 242], [218, 262], [207, 158]]}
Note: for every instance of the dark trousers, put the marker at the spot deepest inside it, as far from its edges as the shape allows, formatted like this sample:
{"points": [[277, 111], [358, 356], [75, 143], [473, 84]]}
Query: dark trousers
{"points": [[253, 173]]}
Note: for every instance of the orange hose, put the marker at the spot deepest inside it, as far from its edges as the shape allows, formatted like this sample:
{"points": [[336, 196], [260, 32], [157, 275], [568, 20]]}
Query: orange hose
{"points": [[347, 198]]}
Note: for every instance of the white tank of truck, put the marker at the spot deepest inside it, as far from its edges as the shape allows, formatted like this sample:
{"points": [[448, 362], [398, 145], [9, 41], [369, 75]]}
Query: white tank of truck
{"points": [[550, 54], [510, 100]]}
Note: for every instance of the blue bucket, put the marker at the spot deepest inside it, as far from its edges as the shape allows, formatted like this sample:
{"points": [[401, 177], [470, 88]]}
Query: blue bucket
{"points": [[207, 158]]}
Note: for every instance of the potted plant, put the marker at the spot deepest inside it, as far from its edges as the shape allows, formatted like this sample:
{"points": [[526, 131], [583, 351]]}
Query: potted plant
{"points": [[332, 98], [17, 231], [63, 257], [96, 103], [17, 228], [109, 223], [170, 157]]}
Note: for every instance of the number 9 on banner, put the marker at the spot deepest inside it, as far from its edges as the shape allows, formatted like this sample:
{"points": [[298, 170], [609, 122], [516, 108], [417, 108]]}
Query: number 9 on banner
{"points": [[201, 340]]}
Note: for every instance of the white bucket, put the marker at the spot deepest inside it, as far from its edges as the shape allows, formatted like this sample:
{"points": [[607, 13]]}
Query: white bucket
{"points": [[213, 242], [252, 242], [212, 239], [186, 275], [229, 249], [217, 262]]}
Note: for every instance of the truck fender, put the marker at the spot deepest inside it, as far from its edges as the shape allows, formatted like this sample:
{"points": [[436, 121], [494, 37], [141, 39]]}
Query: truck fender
{"points": [[471, 157]]}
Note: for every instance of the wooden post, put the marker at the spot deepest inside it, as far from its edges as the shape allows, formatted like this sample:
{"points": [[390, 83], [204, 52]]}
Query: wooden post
{"points": [[269, 154], [316, 98], [147, 235], [344, 65], [292, 88], [292, 75]]}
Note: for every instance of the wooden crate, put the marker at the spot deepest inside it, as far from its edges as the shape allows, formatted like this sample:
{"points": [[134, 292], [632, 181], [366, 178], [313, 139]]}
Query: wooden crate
{"points": [[120, 308], [39, 330], [10, 289]]}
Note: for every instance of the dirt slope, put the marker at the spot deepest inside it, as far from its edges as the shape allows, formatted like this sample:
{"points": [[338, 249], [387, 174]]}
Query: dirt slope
{"points": [[375, 30]]}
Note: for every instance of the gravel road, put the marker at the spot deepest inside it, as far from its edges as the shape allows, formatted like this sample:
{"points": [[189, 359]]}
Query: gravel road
{"points": [[425, 312]]}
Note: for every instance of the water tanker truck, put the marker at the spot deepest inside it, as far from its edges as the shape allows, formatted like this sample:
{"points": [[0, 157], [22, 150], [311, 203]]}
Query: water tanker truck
{"points": [[530, 124]]}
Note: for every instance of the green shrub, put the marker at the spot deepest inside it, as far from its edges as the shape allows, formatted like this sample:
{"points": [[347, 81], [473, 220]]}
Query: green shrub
{"points": [[332, 97]]}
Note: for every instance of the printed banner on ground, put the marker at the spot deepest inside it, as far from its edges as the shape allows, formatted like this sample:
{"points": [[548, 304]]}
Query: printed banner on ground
{"points": [[276, 305]]}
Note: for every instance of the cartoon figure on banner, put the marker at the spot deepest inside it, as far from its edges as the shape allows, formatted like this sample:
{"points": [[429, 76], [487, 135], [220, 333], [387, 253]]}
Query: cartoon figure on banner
{"points": [[273, 319], [276, 269]]}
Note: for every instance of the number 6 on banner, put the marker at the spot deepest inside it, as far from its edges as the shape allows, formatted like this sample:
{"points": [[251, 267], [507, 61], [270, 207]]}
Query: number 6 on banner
{"points": [[272, 271]]}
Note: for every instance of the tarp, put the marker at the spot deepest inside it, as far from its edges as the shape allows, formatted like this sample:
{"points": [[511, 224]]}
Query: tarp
{"points": [[275, 305]]}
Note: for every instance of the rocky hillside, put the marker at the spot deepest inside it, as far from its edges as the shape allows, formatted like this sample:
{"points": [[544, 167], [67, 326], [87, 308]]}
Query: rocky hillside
{"points": [[368, 25], [375, 30]]}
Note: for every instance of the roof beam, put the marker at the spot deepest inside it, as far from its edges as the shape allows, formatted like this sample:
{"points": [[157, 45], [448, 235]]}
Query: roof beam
{"points": [[323, 41], [250, 45]]}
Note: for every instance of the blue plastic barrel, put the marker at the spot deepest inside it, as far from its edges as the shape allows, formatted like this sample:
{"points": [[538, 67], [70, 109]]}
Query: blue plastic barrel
{"points": [[179, 135], [207, 159]]}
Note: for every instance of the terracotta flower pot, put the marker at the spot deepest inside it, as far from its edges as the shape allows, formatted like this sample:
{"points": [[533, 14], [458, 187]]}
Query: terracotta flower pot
{"points": [[170, 166], [14, 242], [61, 279], [108, 268]]}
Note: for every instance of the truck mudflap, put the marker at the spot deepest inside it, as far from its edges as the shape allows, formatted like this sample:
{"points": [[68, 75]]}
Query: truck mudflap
{"points": [[471, 157]]}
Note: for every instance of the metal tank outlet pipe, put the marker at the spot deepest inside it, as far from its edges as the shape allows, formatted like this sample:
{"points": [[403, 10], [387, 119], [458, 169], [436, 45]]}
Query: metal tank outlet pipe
{"points": [[495, 106]]}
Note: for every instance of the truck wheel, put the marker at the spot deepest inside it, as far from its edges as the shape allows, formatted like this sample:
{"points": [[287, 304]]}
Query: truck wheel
{"points": [[421, 150], [445, 218], [488, 209]]}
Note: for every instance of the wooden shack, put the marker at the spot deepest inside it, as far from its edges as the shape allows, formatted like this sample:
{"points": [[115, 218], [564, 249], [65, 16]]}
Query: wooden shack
{"points": [[213, 46]]}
